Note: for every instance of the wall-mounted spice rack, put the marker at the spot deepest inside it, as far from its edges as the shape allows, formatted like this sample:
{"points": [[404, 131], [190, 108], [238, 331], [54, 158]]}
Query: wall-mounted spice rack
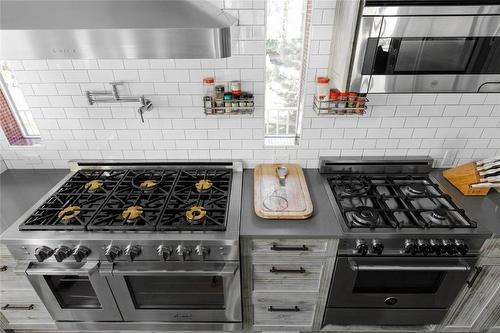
{"points": [[232, 106], [340, 106]]}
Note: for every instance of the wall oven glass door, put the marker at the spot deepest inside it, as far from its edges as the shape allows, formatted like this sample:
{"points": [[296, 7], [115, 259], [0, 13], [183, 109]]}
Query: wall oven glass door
{"points": [[398, 282], [177, 291], [73, 291]]}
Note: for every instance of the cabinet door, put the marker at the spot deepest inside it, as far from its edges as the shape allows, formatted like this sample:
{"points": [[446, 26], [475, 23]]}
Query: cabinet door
{"points": [[478, 306]]}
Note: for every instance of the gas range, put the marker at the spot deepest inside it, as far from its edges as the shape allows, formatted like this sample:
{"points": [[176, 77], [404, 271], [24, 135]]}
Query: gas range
{"points": [[126, 226], [407, 249]]}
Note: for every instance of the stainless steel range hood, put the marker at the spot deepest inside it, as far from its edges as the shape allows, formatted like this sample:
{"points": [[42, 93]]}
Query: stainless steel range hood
{"points": [[110, 29]]}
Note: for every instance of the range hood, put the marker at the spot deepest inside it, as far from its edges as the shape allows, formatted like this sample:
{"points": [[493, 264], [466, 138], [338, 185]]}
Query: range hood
{"points": [[113, 29]]}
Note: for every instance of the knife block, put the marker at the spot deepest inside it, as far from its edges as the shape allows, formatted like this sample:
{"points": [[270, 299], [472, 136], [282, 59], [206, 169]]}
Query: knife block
{"points": [[462, 177]]}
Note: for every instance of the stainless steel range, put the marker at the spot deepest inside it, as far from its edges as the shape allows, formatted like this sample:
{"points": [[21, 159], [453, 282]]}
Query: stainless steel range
{"points": [[136, 245], [407, 248]]}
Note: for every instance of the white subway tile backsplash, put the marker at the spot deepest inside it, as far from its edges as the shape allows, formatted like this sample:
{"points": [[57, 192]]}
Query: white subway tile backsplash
{"points": [[75, 76]]}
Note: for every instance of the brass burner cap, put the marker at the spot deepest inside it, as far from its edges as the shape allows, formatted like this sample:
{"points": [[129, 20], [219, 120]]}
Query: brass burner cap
{"points": [[148, 184], [196, 213], [203, 185], [93, 185], [132, 213], [68, 213]]}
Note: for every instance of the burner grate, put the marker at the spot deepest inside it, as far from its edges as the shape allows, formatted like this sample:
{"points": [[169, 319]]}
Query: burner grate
{"points": [[381, 201]]}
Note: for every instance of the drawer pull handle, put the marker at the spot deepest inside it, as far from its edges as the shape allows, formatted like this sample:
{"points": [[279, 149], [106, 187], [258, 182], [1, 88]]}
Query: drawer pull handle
{"points": [[289, 248], [301, 270], [3, 268], [16, 307], [273, 309], [474, 277]]}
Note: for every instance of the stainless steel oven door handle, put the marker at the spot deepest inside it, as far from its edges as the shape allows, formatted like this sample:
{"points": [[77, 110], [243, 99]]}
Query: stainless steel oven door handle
{"points": [[357, 267], [87, 269], [227, 271]]}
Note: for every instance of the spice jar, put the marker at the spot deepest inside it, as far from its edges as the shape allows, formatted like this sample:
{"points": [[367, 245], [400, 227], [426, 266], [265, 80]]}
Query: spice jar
{"points": [[219, 92], [207, 103], [236, 88], [334, 98], [228, 101], [243, 99], [360, 105], [351, 99], [342, 103], [250, 100], [322, 87], [208, 86]]}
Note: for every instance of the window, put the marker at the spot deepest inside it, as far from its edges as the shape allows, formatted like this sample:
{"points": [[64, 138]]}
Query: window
{"points": [[16, 119], [287, 25]]}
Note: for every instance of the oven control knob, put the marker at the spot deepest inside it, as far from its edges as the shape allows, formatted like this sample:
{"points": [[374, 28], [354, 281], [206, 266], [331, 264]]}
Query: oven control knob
{"points": [[411, 247], [61, 253], [377, 247], [449, 247], [183, 252], [461, 247], [132, 251], [80, 253], [424, 247], [164, 252], [201, 251], [43, 252], [436, 246], [361, 247], [111, 252]]}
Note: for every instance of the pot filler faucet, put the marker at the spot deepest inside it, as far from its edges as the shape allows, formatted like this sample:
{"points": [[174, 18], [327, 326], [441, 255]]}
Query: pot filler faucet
{"points": [[94, 97]]}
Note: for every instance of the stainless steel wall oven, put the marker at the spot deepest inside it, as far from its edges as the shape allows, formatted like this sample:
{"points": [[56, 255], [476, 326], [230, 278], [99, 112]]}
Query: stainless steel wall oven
{"points": [[414, 46]]}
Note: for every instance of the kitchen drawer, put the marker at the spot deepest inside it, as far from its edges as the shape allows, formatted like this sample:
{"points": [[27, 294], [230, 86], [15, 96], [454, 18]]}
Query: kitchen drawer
{"points": [[18, 296], [10, 280], [491, 248], [284, 298], [272, 248], [299, 276], [34, 314], [289, 314]]}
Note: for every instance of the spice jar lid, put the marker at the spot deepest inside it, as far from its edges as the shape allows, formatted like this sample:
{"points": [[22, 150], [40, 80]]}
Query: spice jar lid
{"points": [[209, 80], [334, 94], [344, 94], [219, 88], [322, 79]]}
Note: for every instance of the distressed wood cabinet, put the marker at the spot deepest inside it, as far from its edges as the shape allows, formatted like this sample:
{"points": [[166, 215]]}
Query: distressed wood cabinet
{"points": [[477, 308], [285, 282], [20, 307]]}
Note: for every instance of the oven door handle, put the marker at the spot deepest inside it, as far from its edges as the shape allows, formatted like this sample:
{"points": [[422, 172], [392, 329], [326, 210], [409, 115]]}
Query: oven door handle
{"points": [[87, 269], [228, 270], [360, 267]]}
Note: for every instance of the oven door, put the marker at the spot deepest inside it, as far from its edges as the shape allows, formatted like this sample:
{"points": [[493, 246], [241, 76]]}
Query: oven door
{"points": [[177, 291], [378, 282], [431, 54], [73, 291]]}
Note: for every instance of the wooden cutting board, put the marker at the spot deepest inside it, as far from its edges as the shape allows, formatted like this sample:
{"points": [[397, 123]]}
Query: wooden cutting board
{"points": [[272, 201]]}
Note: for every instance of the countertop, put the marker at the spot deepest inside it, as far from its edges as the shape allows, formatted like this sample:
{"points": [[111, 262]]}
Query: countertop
{"points": [[21, 189], [484, 210], [323, 223]]}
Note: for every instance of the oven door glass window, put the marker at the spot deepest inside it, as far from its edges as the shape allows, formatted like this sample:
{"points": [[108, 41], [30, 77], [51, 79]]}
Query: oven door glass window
{"points": [[432, 55], [176, 292], [398, 282], [73, 291]]}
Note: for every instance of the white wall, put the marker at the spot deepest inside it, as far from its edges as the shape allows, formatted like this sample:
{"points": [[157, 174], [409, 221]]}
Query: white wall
{"points": [[424, 124]]}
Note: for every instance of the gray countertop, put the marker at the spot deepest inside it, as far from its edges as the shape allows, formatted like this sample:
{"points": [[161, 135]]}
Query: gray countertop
{"points": [[21, 189], [484, 210], [321, 224]]}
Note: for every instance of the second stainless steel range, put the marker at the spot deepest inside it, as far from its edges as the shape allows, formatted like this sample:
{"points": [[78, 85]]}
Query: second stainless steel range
{"points": [[136, 245]]}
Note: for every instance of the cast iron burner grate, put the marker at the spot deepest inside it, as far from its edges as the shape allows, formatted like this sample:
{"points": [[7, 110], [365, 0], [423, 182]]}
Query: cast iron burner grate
{"points": [[75, 203], [407, 201], [199, 201]]}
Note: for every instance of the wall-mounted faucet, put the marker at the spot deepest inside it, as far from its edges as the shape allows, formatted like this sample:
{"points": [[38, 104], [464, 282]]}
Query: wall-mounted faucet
{"points": [[94, 97]]}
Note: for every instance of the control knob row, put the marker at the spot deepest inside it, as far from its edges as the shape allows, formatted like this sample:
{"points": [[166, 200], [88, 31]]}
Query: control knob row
{"points": [[362, 248], [435, 246], [132, 251], [62, 252]]}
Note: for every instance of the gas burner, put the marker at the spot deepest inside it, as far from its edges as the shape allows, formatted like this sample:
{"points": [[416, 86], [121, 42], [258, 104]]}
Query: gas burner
{"points": [[93, 185], [196, 214], [352, 186], [132, 213], [365, 215], [438, 216], [68, 213], [416, 189], [148, 184], [203, 185]]}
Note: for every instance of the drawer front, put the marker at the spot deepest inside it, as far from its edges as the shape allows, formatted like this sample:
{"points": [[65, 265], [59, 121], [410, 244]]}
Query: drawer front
{"points": [[284, 298], [18, 296], [491, 248], [290, 247], [10, 280], [284, 314], [19, 313], [298, 276]]}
